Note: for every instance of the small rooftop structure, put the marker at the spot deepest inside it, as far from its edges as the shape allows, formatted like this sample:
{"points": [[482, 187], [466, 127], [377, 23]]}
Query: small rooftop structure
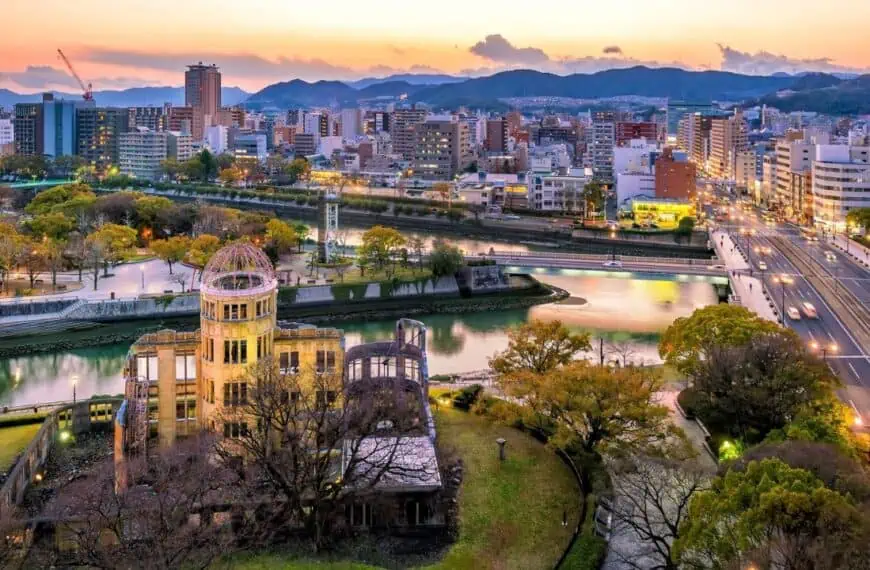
{"points": [[239, 268]]}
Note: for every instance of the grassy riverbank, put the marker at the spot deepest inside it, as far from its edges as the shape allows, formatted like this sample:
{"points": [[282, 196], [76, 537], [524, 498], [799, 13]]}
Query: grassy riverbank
{"points": [[13, 440]]}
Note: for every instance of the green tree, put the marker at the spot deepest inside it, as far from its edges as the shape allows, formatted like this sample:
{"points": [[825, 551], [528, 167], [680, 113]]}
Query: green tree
{"points": [[225, 160], [47, 200], [148, 209], [539, 347], [302, 233], [52, 251], [281, 234], [172, 168], [298, 169], [593, 198], [859, 218], [686, 342], [171, 250], [445, 259], [379, 245], [54, 225], [771, 515], [597, 409], [11, 246], [112, 241], [686, 226], [202, 249], [230, 176]]}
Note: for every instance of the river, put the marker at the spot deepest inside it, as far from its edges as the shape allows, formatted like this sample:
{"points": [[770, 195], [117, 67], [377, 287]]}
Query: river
{"points": [[627, 311]]}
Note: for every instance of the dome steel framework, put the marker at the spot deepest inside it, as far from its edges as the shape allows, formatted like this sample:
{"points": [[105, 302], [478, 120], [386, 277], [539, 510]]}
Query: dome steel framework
{"points": [[238, 268]]}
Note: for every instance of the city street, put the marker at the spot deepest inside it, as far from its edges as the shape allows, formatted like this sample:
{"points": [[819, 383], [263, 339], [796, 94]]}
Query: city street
{"points": [[827, 335]]}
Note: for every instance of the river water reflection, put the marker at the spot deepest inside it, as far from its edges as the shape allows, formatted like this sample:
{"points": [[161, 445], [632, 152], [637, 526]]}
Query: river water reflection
{"points": [[627, 311]]}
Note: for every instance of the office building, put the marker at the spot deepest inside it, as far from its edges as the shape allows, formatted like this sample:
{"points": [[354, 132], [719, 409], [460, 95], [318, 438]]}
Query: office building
{"points": [[59, 126], [184, 120], [441, 149], [179, 145], [728, 138], [7, 131], [677, 110], [793, 178], [305, 144], [142, 152], [674, 176], [217, 138], [99, 132], [151, 118], [231, 117], [402, 125], [496, 135], [28, 129], [250, 146], [840, 182], [202, 92], [351, 123]]}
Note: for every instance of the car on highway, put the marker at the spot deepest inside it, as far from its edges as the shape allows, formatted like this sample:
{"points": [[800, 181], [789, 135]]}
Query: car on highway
{"points": [[809, 310], [718, 266], [793, 313], [510, 217], [613, 263], [762, 266]]}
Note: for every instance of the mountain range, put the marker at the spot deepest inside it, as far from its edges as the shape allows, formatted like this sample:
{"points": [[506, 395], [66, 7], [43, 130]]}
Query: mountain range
{"points": [[822, 93], [134, 97], [483, 91]]}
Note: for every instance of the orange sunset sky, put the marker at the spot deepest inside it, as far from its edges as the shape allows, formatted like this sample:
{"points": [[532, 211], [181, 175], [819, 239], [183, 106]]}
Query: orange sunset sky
{"points": [[123, 43]]}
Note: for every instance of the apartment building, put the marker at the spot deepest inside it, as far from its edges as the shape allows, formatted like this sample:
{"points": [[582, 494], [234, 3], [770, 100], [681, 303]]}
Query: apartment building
{"points": [[840, 182], [496, 135], [142, 153], [560, 191], [99, 135], [728, 138], [28, 129], [151, 118], [794, 155], [402, 130], [441, 148], [601, 143]]}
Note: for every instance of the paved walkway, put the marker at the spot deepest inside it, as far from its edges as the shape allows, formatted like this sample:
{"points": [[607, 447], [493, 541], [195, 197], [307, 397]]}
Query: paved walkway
{"points": [[126, 282], [749, 290], [853, 249]]}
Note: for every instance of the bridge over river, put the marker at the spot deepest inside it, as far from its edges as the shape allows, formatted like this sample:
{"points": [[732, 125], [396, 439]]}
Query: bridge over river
{"points": [[608, 263]]}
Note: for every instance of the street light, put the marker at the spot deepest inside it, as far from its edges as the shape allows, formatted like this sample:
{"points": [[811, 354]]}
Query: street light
{"points": [[142, 271], [825, 349], [783, 280], [74, 380]]}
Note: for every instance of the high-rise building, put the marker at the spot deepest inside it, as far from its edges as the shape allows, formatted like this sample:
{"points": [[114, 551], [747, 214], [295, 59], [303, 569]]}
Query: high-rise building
{"points": [[840, 182], [29, 130], [441, 148], [514, 122], [402, 125], [151, 118], [679, 109], [202, 91], [793, 177], [59, 126], [98, 136], [142, 152], [305, 144], [7, 131], [496, 135], [603, 139], [184, 120], [728, 138], [351, 123]]}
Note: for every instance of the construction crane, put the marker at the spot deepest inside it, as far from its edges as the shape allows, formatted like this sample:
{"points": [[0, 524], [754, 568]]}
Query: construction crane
{"points": [[87, 90]]}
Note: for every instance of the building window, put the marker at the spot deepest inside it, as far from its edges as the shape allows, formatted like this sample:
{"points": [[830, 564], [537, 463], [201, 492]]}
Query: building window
{"points": [[259, 309], [325, 361], [235, 352], [147, 367], [226, 312], [326, 397], [243, 311], [210, 397], [185, 367], [235, 394], [235, 429], [360, 515], [234, 312]]}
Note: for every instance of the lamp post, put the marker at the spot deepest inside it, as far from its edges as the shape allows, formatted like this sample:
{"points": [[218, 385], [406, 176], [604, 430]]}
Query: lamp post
{"points": [[75, 381], [825, 349], [142, 271], [783, 280]]}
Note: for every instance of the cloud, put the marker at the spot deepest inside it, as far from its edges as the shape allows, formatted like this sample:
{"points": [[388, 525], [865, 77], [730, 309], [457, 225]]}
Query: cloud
{"points": [[612, 50], [766, 63], [45, 77], [497, 49]]}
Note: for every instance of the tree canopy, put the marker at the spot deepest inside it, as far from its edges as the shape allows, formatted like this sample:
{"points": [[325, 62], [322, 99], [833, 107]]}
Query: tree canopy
{"points": [[171, 250], [539, 347], [379, 245], [445, 259], [859, 217]]}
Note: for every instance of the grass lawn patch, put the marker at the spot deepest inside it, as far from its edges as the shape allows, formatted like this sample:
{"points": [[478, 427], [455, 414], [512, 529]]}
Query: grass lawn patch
{"points": [[13, 440], [510, 513], [402, 274]]}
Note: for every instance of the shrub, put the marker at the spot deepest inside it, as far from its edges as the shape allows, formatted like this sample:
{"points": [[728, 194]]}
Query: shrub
{"points": [[467, 397]]}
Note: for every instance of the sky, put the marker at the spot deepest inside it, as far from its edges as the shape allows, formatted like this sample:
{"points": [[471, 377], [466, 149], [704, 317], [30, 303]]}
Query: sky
{"points": [[124, 43]]}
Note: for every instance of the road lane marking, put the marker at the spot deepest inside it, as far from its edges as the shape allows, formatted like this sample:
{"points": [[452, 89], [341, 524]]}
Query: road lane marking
{"points": [[855, 372]]}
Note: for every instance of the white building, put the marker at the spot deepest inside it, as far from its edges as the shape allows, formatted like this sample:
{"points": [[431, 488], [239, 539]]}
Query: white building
{"points": [[351, 123], [247, 146], [631, 185], [141, 154], [549, 158], [841, 182], [180, 146], [328, 145], [216, 138], [560, 191], [634, 157], [7, 132]]}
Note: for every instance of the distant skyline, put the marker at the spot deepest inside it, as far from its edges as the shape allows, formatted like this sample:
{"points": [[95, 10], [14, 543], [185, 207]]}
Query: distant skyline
{"points": [[117, 44]]}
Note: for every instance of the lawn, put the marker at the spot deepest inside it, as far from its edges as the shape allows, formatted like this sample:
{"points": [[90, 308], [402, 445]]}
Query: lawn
{"points": [[352, 275], [510, 513], [13, 440]]}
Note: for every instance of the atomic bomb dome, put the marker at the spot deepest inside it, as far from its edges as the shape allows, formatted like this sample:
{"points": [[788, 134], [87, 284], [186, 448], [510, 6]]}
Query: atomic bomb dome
{"points": [[238, 269]]}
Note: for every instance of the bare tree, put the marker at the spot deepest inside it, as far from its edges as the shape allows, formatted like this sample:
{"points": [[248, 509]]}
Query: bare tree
{"points": [[621, 351], [11, 539], [180, 278], [416, 245], [651, 501], [311, 446], [160, 521]]}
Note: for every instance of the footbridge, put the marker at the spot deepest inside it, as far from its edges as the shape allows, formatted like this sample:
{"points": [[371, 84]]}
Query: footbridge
{"points": [[608, 263]]}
